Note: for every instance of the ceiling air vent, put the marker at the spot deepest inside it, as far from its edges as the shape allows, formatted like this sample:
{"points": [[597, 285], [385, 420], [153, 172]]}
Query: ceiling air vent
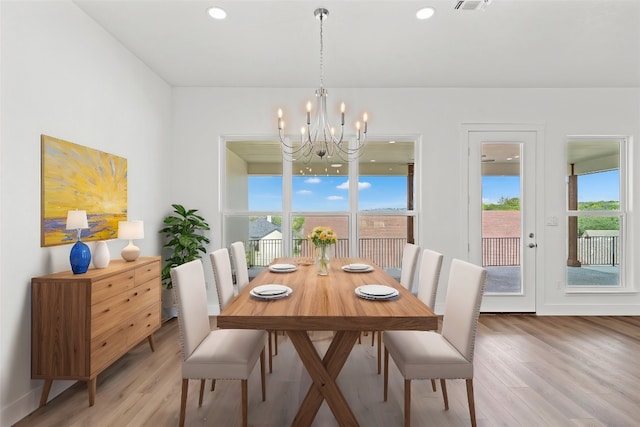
{"points": [[471, 4]]}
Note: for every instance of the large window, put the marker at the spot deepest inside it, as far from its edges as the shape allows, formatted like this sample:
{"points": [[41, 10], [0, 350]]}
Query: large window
{"points": [[272, 204], [596, 213]]}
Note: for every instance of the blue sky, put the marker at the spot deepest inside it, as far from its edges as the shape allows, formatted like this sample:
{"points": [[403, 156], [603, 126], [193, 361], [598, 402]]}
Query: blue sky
{"points": [[602, 186], [495, 187], [330, 193]]}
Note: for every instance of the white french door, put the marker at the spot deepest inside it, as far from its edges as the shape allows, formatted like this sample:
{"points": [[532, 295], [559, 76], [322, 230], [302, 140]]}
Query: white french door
{"points": [[502, 215]]}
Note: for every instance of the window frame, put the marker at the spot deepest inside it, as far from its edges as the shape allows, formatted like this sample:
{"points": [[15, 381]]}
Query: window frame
{"points": [[624, 285], [288, 214]]}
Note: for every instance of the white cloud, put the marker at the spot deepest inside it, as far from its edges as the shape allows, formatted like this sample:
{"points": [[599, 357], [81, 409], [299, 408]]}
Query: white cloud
{"points": [[313, 180], [335, 198], [304, 192], [361, 185]]}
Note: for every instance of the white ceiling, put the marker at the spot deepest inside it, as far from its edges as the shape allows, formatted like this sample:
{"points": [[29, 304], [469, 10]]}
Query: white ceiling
{"points": [[512, 43]]}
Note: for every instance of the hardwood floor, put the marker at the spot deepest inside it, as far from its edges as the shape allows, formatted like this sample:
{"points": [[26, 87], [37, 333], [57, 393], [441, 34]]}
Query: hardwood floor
{"points": [[529, 371]]}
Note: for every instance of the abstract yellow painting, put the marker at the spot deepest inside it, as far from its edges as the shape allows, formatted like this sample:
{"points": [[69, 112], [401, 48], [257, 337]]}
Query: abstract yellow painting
{"points": [[78, 177]]}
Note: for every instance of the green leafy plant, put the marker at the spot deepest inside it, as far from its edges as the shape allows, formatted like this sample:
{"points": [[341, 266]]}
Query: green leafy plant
{"points": [[183, 231]]}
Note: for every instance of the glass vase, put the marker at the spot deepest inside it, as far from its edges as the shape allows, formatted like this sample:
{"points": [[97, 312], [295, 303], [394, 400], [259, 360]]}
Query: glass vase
{"points": [[322, 260]]}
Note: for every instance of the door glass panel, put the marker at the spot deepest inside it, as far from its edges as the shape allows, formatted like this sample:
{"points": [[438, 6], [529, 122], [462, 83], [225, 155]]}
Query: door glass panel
{"points": [[501, 217]]}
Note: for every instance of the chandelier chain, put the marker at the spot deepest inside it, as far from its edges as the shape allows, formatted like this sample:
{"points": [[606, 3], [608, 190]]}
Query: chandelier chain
{"points": [[321, 51]]}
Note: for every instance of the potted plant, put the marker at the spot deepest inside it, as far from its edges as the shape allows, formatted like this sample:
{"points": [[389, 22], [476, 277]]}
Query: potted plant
{"points": [[184, 234]]}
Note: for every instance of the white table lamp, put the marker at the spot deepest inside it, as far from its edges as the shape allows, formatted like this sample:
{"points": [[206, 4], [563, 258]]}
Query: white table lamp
{"points": [[130, 230]]}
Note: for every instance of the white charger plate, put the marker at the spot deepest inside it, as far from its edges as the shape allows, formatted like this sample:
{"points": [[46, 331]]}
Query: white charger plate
{"points": [[376, 292], [263, 291], [357, 268], [271, 289], [282, 268]]}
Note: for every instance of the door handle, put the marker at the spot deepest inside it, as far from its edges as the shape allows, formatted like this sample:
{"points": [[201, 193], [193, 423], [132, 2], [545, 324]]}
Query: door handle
{"points": [[533, 245]]}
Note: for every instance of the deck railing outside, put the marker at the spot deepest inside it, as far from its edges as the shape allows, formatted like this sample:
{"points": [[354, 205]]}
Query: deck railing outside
{"points": [[598, 250], [500, 251], [387, 252], [505, 251]]}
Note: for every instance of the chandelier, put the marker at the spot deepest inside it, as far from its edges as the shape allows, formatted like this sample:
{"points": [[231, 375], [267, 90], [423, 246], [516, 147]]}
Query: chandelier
{"points": [[319, 138]]}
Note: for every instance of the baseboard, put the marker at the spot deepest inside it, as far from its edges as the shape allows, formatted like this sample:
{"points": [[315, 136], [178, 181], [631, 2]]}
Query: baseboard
{"points": [[588, 310], [28, 403]]}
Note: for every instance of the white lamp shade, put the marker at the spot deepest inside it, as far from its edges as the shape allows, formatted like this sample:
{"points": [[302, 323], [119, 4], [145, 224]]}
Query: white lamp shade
{"points": [[77, 220], [130, 230]]}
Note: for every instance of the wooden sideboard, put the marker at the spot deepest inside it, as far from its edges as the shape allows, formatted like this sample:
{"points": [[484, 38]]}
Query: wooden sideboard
{"points": [[82, 323]]}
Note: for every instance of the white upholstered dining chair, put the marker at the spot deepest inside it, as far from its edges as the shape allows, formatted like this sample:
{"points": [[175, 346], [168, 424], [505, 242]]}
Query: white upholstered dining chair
{"points": [[211, 354], [239, 257], [223, 275], [428, 278], [410, 257], [444, 355]]}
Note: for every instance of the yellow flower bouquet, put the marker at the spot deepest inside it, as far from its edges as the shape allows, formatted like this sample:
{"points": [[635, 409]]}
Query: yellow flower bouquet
{"points": [[322, 237]]}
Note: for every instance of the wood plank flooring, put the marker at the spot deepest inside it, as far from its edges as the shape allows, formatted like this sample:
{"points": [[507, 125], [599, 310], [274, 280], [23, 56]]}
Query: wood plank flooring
{"points": [[529, 371]]}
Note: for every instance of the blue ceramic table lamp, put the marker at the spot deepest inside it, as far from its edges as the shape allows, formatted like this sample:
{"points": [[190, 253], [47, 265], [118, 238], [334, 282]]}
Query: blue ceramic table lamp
{"points": [[80, 256]]}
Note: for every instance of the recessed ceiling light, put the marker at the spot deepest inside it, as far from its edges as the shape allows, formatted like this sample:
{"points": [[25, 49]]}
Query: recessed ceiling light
{"points": [[217, 13], [392, 142], [425, 13], [336, 165]]}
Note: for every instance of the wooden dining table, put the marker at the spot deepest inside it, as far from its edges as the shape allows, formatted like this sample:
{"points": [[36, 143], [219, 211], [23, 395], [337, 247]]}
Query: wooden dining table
{"points": [[326, 303]]}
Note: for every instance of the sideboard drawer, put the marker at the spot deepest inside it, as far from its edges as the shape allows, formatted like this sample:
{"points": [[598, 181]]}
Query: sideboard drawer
{"points": [[113, 285], [143, 324], [106, 314], [146, 273], [107, 348], [146, 294]]}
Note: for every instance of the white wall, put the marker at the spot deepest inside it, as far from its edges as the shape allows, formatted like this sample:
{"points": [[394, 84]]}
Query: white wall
{"points": [[63, 76], [204, 114]]}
